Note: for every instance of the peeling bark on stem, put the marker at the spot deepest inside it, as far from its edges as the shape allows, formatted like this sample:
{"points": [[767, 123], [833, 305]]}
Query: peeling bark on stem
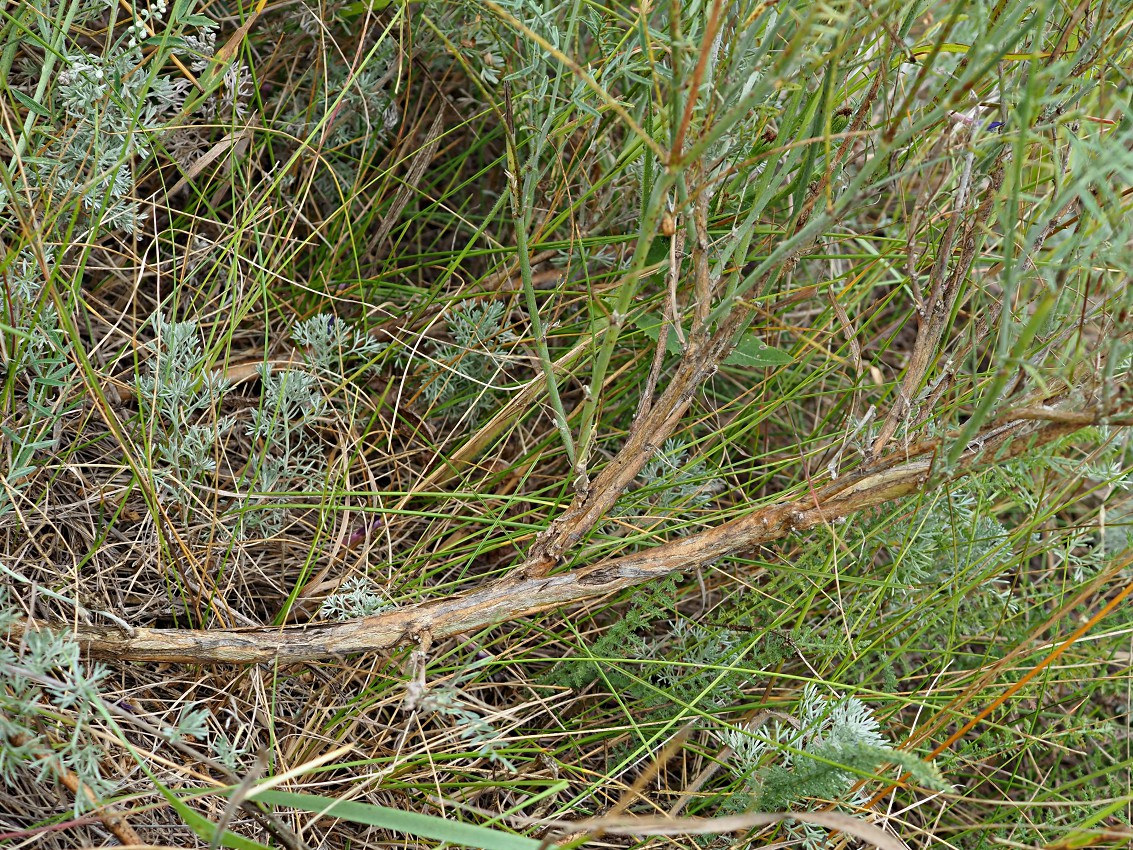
{"points": [[902, 474]]}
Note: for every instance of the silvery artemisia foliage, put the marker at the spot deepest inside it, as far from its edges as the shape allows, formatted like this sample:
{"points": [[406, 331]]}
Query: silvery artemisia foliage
{"points": [[50, 704], [290, 397], [816, 721], [819, 751], [43, 675], [108, 105], [941, 549], [41, 360], [671, 489], [365, 102], [179, 395], [461, 376], [287, 459], [448, 700], [358, 596], [177, 398], [330, 344], [350, 111], [292, 401]]}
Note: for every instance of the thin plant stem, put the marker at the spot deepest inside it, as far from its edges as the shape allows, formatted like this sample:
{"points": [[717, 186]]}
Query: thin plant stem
{"points": [[519, 217]]}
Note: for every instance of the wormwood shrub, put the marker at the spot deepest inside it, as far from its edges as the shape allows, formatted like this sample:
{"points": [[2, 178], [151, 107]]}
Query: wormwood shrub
{"points": [[460, 377], [358, 596], [53, 716], [179, 395], [44, 680], [92, 115], [274, 276], [94, 111], [38, 355], [51, 699], [819, 752]]}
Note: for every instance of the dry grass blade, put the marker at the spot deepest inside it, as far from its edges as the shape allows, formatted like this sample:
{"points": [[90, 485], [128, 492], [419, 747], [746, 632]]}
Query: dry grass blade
{"points": [[463, 420], [409, 184], [521, 596], [860, 829]]}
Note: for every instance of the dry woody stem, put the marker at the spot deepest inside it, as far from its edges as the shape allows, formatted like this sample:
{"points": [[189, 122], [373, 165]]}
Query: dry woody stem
{"points": [[904, 472]]}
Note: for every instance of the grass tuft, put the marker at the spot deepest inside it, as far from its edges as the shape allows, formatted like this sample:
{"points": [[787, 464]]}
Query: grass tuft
{"points": [[511, 423]]}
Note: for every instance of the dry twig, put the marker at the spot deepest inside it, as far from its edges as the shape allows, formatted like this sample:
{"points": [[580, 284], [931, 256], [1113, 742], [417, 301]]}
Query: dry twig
{"points": [[898, 475]]}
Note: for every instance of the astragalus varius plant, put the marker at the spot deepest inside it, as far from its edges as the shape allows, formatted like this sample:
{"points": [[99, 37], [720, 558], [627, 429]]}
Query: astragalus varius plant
{"points": [[706, 407]]}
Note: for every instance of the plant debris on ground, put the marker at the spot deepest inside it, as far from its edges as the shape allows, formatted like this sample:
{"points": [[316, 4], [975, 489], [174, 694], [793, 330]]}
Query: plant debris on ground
{"points": [[513, 424]]}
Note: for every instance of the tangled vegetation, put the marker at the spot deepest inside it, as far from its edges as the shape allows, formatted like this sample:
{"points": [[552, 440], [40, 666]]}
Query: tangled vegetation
{"points": [[515, 423]]}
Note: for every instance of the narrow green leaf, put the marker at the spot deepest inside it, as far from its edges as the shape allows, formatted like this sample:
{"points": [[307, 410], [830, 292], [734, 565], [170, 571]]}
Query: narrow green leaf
{"points": [[353, 10], [658, 251], [37, 108], [181, 8], [170, 42], [410, 823], [753, 351], [203, 827]]}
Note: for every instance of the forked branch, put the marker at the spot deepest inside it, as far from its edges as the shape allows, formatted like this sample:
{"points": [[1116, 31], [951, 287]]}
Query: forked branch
{"points": [[903, 473]]}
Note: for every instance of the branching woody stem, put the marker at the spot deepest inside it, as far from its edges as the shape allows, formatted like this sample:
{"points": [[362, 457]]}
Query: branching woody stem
{"points": [[902, 473]]}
